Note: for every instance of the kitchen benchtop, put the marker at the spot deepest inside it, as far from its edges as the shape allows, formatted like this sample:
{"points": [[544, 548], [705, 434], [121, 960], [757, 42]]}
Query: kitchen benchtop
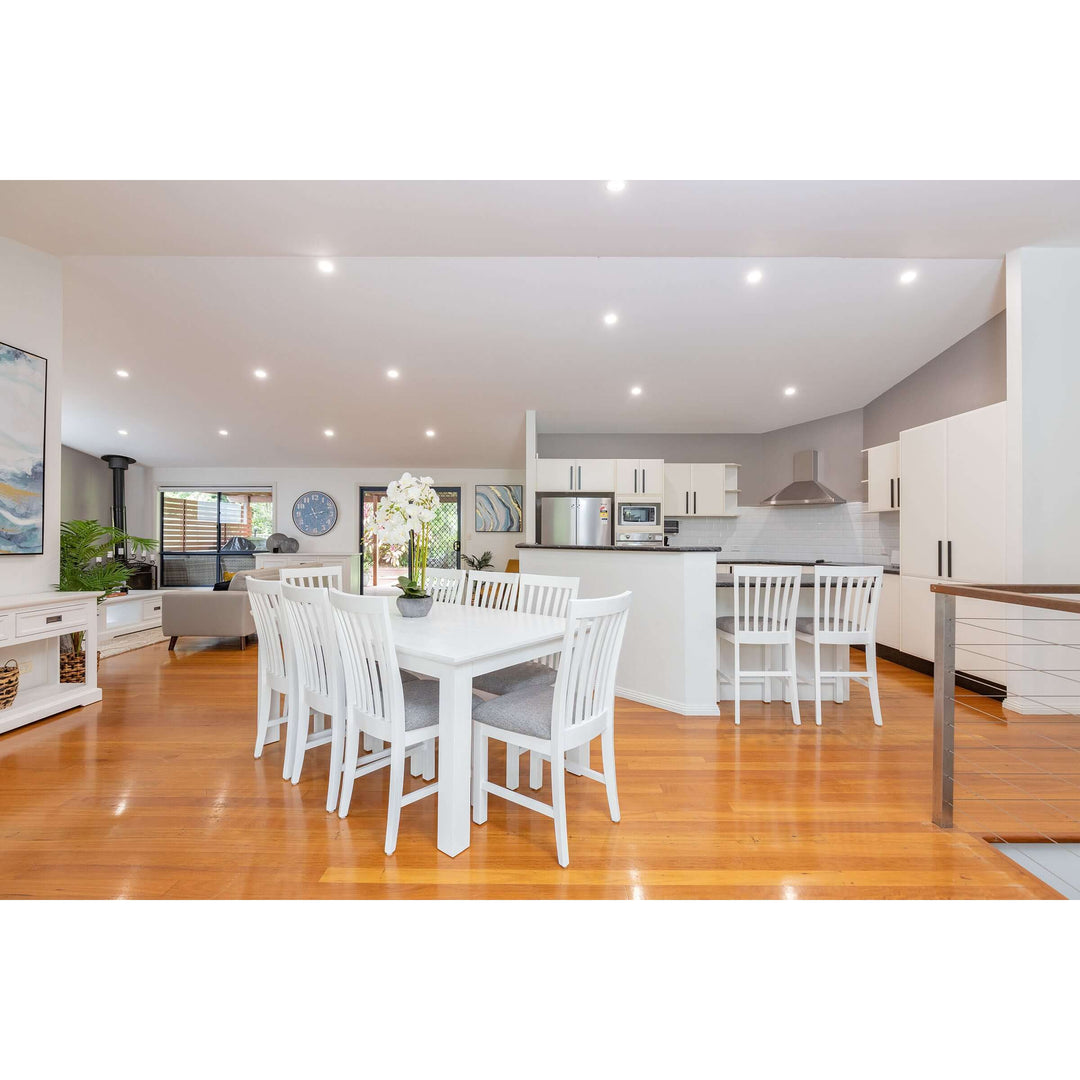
{"points": [[721, 558]]}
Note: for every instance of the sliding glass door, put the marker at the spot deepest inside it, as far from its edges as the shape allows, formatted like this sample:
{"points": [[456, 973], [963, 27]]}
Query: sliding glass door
{"points": [[208, 534], [385, 563]]}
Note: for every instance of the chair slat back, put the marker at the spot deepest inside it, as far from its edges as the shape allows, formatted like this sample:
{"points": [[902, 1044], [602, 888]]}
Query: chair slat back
{"points": [[846, 598], [369, 659], [488, 589], [585, 686], [766, 598], [312, 577], [545, 594], [265, 600], [311, 636], [446, 584]]}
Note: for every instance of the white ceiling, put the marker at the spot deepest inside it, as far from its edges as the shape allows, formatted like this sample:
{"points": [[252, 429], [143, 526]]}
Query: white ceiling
{"points": [[478, 341], [917, 219]]}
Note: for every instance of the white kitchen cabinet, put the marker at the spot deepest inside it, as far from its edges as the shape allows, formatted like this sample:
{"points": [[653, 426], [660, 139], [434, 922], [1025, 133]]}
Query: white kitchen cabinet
{"points": [[701, 490], [639, 476], [917, 616], [888, 616], [975, 534], [575, 474], [952, 521], [924, 510], [883, 477]]}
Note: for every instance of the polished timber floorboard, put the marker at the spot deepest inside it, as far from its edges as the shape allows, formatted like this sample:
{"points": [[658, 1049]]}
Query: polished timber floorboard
{"points": [[155, 793]]}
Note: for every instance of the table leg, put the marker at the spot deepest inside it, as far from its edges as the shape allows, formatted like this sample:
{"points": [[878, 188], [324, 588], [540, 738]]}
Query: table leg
{"points": [[455, 760]]}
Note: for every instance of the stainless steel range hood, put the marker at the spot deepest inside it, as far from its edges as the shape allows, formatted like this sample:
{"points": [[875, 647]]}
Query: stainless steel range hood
{"points": [[806, 490]]}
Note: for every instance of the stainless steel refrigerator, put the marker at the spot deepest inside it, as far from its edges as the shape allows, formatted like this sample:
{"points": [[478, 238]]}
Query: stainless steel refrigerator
{"points": [[576, 519]]}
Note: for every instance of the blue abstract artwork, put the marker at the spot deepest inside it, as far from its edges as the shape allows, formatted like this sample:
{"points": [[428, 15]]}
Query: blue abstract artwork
{"points": [[498, 508], [22, 451]]}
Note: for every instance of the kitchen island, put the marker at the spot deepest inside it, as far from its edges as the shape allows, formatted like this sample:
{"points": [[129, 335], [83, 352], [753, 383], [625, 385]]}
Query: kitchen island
{"points": [[671, 653]]}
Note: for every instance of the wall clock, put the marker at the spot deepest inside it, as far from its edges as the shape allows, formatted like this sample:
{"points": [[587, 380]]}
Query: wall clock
{"points": [[314, 513]]}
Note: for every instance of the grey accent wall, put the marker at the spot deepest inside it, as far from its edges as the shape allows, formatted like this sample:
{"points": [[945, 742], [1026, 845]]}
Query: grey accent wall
{"points": [[85, 487], [967, 375], [840, 467]]}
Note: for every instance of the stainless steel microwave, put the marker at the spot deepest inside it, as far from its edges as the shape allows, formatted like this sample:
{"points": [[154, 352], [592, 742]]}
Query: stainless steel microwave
{"points": [[639, 514]]}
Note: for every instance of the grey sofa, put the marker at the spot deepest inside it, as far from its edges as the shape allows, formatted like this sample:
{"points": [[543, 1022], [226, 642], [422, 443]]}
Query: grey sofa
{"points": [[204, 613]]}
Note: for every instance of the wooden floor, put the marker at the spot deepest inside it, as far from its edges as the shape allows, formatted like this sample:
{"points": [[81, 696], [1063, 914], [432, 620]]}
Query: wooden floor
{"points": [[155, 793]]}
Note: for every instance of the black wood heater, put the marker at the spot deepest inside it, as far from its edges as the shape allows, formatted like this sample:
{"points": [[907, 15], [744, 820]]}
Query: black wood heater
{"points": [[143, 574]]}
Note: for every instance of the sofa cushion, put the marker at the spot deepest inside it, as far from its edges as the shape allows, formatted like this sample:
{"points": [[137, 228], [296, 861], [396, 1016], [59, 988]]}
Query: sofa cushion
{"points": [[239, 579]]}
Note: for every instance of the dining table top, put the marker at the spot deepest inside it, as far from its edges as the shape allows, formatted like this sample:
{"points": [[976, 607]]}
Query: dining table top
{"points": [[461, 633]]}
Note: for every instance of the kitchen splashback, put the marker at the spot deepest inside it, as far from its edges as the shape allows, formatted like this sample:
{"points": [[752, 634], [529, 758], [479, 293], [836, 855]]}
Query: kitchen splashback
{"points": [[835, 533]]}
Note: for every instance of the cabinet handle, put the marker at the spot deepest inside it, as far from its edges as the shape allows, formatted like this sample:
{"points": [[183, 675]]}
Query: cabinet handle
{"points": [[571, 477], [635, 481], [898, 493], [939, 558], [695, 502], [891, 485], [54, 618], [644, 486], [688, 502], [579, 478], [950, 559]]}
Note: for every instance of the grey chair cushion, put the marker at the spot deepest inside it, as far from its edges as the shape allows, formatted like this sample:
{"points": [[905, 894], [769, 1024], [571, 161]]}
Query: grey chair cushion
{"points": [[408, 676], [727, 623], [526, 712], [517, 677], [422, 703], [805, 624]]}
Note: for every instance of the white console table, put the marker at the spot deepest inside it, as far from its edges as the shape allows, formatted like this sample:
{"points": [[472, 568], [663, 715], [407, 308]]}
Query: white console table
{"points": [[350, 564], [30, 630]]}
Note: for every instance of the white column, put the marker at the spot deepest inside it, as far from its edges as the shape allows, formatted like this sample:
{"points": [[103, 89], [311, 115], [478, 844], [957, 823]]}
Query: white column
{"points": [[529, 534], [1043, 457]]}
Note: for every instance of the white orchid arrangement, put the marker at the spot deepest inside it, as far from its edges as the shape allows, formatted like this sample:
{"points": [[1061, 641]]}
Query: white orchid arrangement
{"points": [[408, 509]]}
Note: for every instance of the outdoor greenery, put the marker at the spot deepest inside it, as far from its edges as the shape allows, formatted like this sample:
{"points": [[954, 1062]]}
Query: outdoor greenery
{"points": [[86, 562], [478, 562]]}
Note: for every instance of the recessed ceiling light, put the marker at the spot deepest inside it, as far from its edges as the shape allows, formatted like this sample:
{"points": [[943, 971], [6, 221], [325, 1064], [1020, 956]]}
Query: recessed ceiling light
{"points": [[611, 318], [259, 373], [908, 276], [635, 390], [120, 431], [329, 433], [222, 431], [326, 266], [615, 186], [754, 277], [429, 433], [393, 373], [789, 391], [122, 373]]}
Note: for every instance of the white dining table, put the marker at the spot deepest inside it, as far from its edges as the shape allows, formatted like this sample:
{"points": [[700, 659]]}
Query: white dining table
{"points": [[454, 643]]}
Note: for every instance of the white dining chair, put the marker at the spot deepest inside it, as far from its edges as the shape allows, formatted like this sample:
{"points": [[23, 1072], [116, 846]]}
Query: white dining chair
{"points": [[318, 680], [538, 594], [766, 602], [553, 720], [275, 668], [488, 589], [446, 584], [378, 703], [312, 577], [845, 613]]}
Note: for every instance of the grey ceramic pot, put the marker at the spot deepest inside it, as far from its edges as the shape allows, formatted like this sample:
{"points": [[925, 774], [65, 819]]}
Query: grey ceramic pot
{"points": [[414, 607]]}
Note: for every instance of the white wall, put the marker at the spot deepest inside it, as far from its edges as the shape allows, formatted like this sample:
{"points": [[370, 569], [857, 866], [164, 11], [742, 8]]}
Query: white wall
{"points": [[343, 485], [31, 318]]}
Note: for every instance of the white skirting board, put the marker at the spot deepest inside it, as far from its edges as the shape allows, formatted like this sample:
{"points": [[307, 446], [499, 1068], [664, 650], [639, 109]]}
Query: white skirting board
{"points": [[679, 707]]}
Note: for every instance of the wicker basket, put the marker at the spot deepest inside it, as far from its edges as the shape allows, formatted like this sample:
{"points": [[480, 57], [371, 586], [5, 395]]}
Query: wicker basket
{"points": [[73, 667], [9, 683]]}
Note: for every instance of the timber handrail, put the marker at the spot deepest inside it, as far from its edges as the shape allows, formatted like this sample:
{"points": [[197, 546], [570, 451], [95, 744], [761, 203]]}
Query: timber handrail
{"points": [[1040, 596]]}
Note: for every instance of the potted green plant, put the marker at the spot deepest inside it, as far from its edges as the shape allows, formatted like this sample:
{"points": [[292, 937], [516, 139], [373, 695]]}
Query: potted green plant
{"points": [[87, 565], [478, 562], [406, 512]]}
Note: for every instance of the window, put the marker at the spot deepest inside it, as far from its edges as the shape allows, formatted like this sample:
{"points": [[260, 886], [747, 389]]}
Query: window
{"points": [[207, 534]]}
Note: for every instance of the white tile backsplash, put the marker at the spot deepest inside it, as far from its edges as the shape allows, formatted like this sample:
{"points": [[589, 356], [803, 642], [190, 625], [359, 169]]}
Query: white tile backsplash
{"points": [[802, 534]]}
